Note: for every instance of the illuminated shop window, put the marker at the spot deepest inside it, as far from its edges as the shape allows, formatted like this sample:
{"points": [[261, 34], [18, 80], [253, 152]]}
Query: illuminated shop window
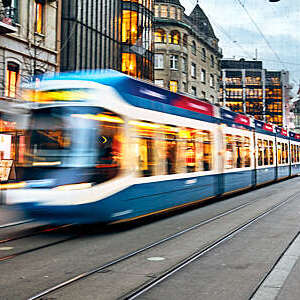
{"points": [[174, 37], [173, 86], [129, 27], [39, 16], [129, 64], [11, 80], [160, 36]]}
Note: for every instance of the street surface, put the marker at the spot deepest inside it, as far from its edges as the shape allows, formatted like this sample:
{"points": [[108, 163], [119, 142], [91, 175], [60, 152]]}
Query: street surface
{"points": [[43, 257]]}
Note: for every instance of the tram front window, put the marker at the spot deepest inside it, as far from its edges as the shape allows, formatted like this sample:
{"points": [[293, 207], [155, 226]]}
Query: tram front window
{"points": [[73, 137]]}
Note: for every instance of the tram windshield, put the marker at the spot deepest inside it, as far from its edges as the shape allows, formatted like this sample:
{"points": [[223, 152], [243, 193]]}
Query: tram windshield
{"points": [[74, 137]]}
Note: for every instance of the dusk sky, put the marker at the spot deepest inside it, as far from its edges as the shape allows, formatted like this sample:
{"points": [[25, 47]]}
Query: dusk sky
{"points": [[240, 37]]}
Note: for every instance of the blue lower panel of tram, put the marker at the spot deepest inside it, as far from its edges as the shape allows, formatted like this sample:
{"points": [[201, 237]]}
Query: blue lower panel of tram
{"points": [[283, 171], [237, 180], [295, 169], [265, 175], [136, 200]]}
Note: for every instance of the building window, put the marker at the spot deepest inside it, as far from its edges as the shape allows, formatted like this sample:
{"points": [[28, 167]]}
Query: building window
{"points": [[174, 37], [129, 64], [156, 10], [173, 86], [11, 80], [184, 87], [212, 99], [129, 27], [212, 61], [194, 48], [160, 36], [193, 70], [185, 40], [184, 65], [159, 82], [39, 16], [172, 12], [203, 54], [203, 95], [179, 14], [158, 61], [174, 62], [194, 91], [164, 11], [211, 81], [203, 75]]}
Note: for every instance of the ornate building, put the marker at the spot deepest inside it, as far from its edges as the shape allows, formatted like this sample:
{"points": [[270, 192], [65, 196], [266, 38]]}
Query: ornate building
{"points": [[186, 51], [100, 34]]}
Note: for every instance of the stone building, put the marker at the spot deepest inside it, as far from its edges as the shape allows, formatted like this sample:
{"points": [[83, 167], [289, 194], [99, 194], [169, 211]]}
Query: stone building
{"points": [[186, 51], [28, 42], [28, 46]]}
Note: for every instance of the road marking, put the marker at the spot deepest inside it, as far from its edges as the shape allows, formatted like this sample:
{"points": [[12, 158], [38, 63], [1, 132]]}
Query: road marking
{"points": [[156, 258], [272, 285], [6, 248]]}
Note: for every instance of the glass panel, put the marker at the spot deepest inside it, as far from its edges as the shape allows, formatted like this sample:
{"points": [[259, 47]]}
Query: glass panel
{"points": [[260, 153], [266, 153], [229, 162]]}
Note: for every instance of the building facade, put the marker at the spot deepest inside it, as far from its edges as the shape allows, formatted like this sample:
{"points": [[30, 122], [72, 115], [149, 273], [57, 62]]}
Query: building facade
{"points": [[102, 34], [28, 42], [248, 88], [28, 46], [186, 51]]}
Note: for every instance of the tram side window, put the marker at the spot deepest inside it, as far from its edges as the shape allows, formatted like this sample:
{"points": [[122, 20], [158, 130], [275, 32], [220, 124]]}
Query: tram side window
{"points": [[260, 152], [207, 151], [286, 153], [144, 134], [238, 149], [266, 153], [292, 153], [229, 157], [247, 152], [170, 140], [271, 152], [110, 141], [279, 153]]}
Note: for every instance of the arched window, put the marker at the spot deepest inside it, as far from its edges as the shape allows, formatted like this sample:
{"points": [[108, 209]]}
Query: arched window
{"points": [[203, 54], [11, 79], [185, 40], [194, 48], [160, 36], [174, 37]]}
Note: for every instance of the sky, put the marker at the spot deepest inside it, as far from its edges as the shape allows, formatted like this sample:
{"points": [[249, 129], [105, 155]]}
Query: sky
{"points": [[275, 38]]}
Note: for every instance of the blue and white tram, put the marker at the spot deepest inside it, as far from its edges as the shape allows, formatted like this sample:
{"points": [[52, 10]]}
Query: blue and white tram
{"points": [[104, 147]]}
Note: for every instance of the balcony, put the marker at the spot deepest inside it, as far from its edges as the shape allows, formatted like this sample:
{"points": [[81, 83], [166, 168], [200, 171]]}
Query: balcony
{"points": [[8, 20]]}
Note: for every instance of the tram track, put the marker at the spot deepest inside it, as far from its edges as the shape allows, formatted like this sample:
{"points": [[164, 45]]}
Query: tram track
{"points": [[176, 267]]}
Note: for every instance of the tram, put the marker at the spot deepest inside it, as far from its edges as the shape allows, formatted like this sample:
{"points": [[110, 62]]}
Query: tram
{"points": [[104, 147]]}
